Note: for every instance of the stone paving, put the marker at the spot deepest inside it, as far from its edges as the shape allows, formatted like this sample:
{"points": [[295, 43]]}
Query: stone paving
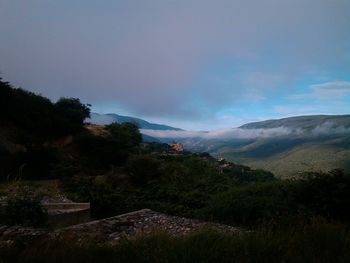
{"points": [[111, 230], [144, 221]]}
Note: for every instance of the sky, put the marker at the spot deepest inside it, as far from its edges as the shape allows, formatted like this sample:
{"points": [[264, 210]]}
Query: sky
{"points": [[193, 64]]}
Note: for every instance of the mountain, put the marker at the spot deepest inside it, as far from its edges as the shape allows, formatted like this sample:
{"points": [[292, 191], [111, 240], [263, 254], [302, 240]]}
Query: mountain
{"points": [[147, 138], [302, 122], [104, 119], [284, 146], [322, 144]]}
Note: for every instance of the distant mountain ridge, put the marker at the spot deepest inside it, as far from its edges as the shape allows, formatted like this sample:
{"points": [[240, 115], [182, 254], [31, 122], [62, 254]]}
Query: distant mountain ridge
{"points": [[328, 149], [103, 119], [284, 146], [301, 122]]}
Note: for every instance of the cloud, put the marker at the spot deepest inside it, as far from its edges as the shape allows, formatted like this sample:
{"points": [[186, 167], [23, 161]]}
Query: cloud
{"points": [[187, 59], [325, 91], [329, 127], [337, 85], [326, 128], [224, 134]]}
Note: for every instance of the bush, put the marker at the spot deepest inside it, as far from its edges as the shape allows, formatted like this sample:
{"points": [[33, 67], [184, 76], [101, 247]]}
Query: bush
{"points": [[143, 168], [250, 204], [78, 188], [24, 209], [243, 174], [326, 195], [126, 135], [100, 152]]}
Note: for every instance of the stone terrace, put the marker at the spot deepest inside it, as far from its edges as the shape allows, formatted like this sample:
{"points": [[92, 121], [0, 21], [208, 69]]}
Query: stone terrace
{"points": [[111, 230], [144, 221]]}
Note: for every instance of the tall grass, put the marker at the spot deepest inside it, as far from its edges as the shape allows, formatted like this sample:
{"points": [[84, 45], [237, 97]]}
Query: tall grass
{"points": [[313, 241]]}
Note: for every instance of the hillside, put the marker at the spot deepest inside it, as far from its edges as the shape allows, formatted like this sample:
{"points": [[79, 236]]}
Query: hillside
{"points": [[104, 119], [288, 158], [301, 122], [285, 146], [322, 145]]}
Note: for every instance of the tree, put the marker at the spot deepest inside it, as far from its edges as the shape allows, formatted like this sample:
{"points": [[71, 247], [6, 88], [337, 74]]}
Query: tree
{"points": [[72, 113], [142, 168], [126, 134]]}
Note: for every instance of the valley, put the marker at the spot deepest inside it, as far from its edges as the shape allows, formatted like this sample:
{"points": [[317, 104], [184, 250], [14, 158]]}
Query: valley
{"points": [[286, 147]]}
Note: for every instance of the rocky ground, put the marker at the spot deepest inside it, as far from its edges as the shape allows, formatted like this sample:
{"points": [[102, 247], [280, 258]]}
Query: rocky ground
{"points": [[140, 222], [19, 235], [113, 229]]}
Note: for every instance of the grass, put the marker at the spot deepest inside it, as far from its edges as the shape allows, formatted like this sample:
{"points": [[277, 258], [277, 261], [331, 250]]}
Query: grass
{"points": [[313, 241], [49, 188]]}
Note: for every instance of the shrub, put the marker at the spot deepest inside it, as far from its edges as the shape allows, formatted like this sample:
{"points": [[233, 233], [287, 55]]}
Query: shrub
{"points": [[100, 152], [127, 135], [326, 195], [24, 209], [143, 168], [251, 203]]}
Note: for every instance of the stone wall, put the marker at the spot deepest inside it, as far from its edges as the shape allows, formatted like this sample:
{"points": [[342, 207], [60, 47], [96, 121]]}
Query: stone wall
{"points": [[66, 214], [63, 214]]}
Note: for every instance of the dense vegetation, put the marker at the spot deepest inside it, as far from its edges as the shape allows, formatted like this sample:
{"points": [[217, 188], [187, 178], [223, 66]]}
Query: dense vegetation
{"points": [[111, 168], [36, 117], [23, 208], [315, 241], [29, 124], [190, 186]]}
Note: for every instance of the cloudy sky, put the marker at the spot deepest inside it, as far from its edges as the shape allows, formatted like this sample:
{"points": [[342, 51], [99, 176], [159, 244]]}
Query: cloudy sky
{"points": [[194, 64]]}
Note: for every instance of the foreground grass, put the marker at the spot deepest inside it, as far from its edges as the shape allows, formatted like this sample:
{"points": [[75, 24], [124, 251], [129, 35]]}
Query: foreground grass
{"points": [[48, 188], [315, 241]]}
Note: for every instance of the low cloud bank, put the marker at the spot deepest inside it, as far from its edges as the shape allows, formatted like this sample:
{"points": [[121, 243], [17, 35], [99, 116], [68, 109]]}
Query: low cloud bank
{"points": [[327, 128], [223, 134]]}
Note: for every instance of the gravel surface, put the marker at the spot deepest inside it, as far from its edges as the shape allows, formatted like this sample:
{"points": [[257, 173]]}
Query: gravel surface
{"points": [[111, 230], [139, 222]]}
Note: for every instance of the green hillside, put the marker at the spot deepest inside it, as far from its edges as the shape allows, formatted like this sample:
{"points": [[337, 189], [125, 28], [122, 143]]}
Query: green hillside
{"points": [[322, 143], [303, 122], [312, 157]]}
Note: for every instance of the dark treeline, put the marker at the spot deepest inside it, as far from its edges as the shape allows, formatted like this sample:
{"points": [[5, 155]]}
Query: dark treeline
{"points": [[36, 117], [29, 122]]}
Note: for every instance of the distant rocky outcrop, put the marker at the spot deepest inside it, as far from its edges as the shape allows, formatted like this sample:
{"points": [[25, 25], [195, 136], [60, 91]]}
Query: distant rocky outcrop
{"points": [[177, 147]]}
